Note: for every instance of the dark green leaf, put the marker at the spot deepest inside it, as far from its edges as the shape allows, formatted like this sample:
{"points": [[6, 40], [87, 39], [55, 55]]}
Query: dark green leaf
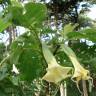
{"points": [[88, 34], [5, 22], [29, 15]]}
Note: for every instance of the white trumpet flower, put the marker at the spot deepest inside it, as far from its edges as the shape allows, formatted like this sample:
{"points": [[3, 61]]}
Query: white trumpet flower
{"points": [[55, 72]]}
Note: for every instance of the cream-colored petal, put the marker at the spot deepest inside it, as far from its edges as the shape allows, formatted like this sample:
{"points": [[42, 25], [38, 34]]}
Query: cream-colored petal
{"points": [[80, 73], [57, 73]]}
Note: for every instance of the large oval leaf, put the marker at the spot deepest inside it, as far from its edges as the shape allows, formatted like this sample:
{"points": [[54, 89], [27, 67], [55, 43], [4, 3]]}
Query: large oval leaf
{"points": [[29, 15], [25, 54]]}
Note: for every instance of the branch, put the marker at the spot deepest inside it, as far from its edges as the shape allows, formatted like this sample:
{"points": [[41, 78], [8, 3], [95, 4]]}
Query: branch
{"points": [[84, 88], [63, 89], [5, 59]]}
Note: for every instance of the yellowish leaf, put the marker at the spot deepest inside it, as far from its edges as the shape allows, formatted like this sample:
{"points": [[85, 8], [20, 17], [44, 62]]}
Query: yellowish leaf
{"points": [[67, 29]]}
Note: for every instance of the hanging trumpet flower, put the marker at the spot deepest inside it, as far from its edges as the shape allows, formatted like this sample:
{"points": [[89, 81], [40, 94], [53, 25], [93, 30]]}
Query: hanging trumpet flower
{"points": [[55, 72], [80, 73]]}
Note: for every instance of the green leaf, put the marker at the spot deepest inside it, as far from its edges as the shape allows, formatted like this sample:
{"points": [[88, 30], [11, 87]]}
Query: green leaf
{"points": [[88, 34], [5, 22], [25, 54], [75, 35], [15, 55], [15, 3], [16, 12], [15, 80], [3, 72], [30, 65], [35, 13], [67, 29], [32, 14]]}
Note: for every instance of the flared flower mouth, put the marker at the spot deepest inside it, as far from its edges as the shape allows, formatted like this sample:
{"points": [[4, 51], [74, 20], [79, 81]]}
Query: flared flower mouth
{"points": [[57, 73], [79, 73]]}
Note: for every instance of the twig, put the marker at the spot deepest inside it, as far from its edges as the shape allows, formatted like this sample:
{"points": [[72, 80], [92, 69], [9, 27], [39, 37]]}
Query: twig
{"points": [[6, 58], [84, 88], [63, 89]]}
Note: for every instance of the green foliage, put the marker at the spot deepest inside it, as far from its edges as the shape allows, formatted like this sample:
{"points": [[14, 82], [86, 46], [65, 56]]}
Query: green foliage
{"points": [[31, 57], [67, 29], [88, 34], [3, 72], [5, 1], [32, 14], [26, 56], [2, 50], [5, 22]]}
